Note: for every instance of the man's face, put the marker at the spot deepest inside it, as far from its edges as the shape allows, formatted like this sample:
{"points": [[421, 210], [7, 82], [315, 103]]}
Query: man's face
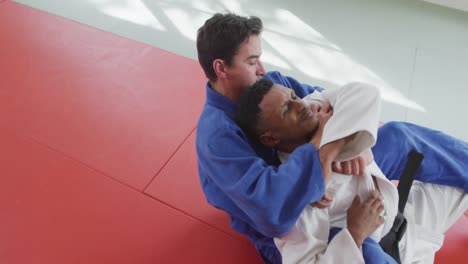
{"points": [[246, 67], [287, 117]]}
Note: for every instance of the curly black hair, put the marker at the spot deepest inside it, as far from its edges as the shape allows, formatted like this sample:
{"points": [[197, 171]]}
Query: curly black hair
{"points": [[248, 110]]}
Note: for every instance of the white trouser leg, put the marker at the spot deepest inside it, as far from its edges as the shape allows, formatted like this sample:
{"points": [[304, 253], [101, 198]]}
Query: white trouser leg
{"points": [[430, 211]]}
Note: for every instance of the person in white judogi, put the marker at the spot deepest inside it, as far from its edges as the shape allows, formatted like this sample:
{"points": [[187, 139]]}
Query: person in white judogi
{"points": [[430, 210]]}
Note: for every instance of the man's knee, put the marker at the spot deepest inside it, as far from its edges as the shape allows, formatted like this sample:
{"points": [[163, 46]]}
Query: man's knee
{"points": [[392, 148], [392, 130]]}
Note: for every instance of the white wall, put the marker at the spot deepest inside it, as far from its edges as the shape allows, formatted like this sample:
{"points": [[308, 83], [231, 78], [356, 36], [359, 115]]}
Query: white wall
{"points": [[457, 4]]}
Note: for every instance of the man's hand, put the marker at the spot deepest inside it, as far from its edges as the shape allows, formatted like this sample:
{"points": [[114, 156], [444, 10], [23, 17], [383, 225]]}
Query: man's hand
{"points": [[323, 203], [355, 166], [368, 156], [363, 219], [328, 153]]}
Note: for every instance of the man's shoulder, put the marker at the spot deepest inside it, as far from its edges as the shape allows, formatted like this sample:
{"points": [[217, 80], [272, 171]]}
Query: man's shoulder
{"points": [[214, 123], [299, 88], [213, 116], [275, 76]]}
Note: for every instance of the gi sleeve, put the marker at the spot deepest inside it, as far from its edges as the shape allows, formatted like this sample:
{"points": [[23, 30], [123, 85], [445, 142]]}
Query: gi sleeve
{"points": [[268, 198], [356, 110], [300, 89]]}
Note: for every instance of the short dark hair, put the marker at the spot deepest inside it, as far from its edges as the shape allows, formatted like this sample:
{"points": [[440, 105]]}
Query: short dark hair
{"points": [[248, 111], [220, 38]]}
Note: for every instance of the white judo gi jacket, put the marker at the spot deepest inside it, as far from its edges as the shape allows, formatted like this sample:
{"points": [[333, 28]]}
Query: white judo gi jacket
{"points": [[356, 109], [430, 211]]}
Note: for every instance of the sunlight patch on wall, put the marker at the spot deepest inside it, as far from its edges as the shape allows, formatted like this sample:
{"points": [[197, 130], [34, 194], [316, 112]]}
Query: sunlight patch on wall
{"points": [[292, 26], [134, 11], [233, 6], [203, 6], [270, 58], [331, 65], [187, 24]]}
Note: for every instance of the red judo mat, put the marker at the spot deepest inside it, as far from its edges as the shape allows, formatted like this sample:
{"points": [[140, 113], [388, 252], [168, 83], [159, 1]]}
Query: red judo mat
{"points": [[114, 104], [98, 162], [55, 210]]}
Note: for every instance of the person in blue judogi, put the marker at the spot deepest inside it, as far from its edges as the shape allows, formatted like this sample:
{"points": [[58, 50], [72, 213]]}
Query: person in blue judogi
{"points": [[264, 198]]}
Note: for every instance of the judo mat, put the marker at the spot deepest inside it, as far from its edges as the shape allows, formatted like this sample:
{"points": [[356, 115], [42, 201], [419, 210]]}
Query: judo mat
{"points": [[98, 163]]}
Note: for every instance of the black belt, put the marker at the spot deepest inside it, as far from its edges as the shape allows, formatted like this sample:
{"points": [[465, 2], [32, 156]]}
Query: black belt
{"points": [[389, 242]]}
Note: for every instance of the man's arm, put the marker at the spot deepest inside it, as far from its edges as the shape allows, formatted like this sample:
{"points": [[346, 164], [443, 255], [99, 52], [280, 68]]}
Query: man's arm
{"points": [[356, 114], [355, 166], [356, 109], [301, 89], [307, 242], [268, 198], [329, 151]]}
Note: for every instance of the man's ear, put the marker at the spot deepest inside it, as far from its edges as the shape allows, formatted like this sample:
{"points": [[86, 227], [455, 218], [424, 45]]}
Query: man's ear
{"points": [[269, 140], [219, 68]]}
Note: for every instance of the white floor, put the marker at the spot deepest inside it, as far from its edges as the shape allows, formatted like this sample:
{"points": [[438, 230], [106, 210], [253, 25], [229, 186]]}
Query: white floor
{"points": [[417, 52]]}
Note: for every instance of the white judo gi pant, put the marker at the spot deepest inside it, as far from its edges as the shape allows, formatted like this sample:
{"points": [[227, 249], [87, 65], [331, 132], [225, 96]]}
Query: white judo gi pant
{"points": [[430, 211]]}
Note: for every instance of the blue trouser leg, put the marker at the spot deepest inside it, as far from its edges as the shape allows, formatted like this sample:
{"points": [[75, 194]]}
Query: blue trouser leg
{"points": [[445, 157]]}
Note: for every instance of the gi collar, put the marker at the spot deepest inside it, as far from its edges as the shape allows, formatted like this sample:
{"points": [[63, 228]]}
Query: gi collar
{"points": [[221, 102]]}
